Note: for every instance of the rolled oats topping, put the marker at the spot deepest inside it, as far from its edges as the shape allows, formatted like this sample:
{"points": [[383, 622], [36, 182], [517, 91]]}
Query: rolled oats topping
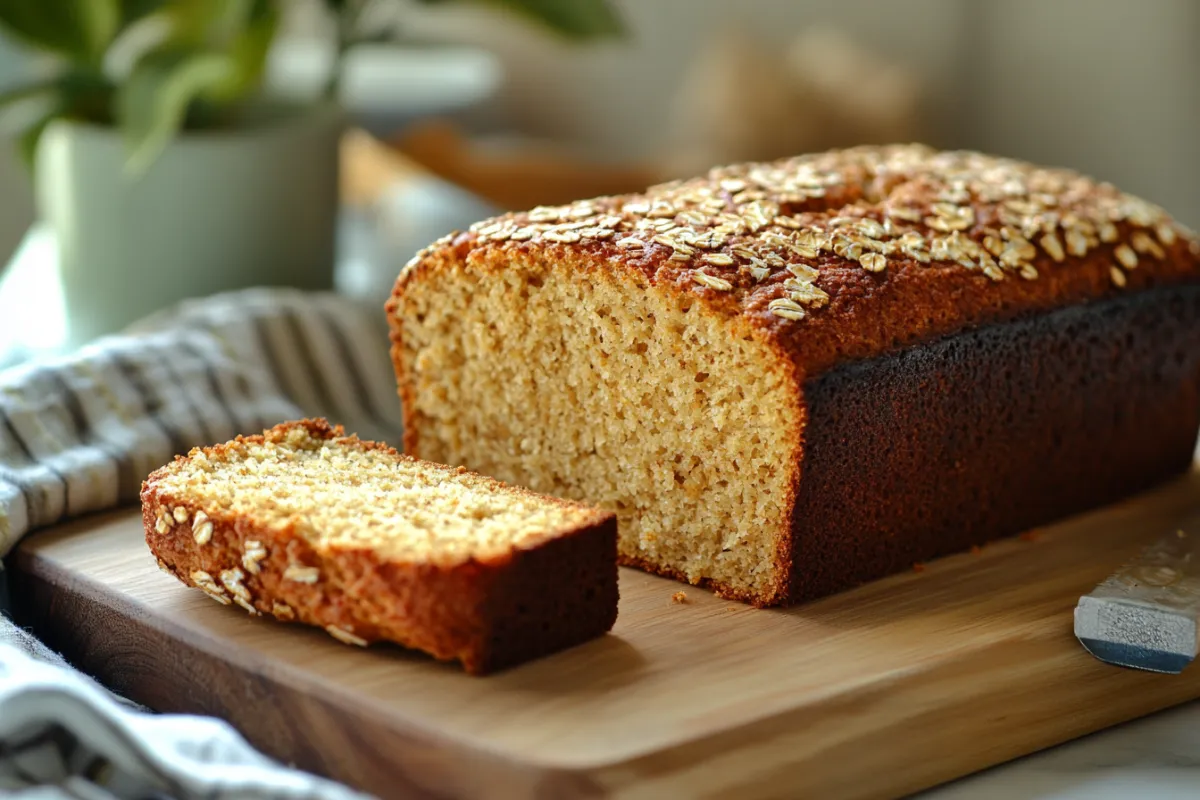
{"points": [[254, 553], [881, 210], [202, 528], [301, 574], [345, 636], [206, 583]]}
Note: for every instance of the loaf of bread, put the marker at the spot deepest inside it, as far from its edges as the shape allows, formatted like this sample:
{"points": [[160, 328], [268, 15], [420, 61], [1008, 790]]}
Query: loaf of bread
{"points": [[789, 378], [307, 524]]}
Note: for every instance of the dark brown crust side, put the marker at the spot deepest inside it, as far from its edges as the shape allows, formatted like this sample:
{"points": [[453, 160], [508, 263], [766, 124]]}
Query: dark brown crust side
{"points": [[487, 614], [991, 433]]}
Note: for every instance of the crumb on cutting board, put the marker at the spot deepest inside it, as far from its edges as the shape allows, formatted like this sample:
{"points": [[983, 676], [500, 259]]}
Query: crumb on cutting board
{"points": [[918, 567], [679, 597]]}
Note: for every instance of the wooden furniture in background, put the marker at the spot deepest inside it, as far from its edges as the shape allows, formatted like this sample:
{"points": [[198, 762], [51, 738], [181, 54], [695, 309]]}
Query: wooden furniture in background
{"points": [[520, 177], [369, 168]]}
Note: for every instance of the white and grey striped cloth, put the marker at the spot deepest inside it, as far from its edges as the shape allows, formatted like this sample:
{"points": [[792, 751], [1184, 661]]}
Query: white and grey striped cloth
{"points": [[79, 434]]}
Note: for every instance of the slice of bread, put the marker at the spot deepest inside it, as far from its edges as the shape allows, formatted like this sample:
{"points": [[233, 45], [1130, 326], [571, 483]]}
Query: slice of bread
{"points": [[310, 525]]}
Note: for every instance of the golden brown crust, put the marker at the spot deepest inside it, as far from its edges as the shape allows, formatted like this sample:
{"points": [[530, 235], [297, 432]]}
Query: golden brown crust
{"points": [[488, 614], [850, 254]]}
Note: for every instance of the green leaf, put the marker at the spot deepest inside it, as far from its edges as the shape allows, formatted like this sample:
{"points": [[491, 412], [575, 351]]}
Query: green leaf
{"points": [[575, 19], [243, 29], [99, 21], [40, 25], [153, 103], [206, 23], [79, 30], [248, 51], [80, 94], [134, 10], [87, 95], [27, 91]]}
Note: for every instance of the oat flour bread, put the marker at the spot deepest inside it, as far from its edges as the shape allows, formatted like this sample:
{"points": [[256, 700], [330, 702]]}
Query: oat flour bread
{"points": [[307, 524], [792, 377]]}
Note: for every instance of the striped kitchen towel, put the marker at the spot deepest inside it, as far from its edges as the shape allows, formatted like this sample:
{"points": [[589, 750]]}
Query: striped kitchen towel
{"points": [[79, 434]]}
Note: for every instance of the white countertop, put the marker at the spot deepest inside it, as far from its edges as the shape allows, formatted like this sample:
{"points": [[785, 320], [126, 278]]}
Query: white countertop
{"points": [[1157, 758]]}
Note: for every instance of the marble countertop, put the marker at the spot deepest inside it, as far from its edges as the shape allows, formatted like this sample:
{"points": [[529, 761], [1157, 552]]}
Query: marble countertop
{"points": [[1155, 758]]}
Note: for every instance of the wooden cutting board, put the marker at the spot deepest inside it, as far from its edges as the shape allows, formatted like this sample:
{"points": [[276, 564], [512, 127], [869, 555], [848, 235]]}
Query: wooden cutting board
{"points": [[894, 687]]}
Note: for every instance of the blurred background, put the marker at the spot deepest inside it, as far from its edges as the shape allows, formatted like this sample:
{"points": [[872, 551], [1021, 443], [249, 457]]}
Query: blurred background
{"points": [[456, 109]]}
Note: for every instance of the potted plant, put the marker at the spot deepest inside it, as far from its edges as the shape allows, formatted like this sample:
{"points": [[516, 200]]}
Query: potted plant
{"points": [[161, 166]]}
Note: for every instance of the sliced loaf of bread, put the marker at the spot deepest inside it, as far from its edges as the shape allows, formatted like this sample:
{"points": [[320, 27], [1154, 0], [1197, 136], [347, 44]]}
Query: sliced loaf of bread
{"points": [[790, 378], [310, 525]]}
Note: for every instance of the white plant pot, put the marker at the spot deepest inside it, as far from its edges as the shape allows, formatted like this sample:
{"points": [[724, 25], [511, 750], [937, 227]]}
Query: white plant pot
{"points": [[216, 211]]}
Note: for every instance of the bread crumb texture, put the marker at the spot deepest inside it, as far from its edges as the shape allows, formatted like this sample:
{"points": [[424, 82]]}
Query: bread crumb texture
{"points": [[575, 386], [338, 492]]}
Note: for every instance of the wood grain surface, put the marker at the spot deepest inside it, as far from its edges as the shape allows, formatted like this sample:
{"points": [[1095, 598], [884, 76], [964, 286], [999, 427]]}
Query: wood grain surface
{"points": [[875, 693]]}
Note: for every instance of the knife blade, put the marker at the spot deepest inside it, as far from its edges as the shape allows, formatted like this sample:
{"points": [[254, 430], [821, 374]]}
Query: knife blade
{"points": [[1144, 616]]}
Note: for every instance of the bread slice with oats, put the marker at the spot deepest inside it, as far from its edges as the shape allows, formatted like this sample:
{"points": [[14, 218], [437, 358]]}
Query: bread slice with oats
{"points": [[307, 524]]}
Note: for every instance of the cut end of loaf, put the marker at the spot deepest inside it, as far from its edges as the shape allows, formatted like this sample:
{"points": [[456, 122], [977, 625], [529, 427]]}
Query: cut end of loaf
{"points": [[596, 384]]}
